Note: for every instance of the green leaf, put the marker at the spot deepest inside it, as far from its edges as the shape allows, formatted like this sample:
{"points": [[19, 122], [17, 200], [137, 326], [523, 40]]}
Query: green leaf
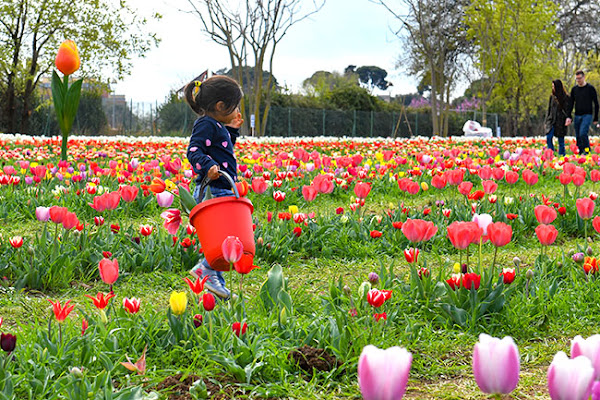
{"points": [[58, 96], [71, 104]]}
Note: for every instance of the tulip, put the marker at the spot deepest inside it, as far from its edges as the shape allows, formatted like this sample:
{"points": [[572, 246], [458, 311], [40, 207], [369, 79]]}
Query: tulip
{"points": [[16, 241], [378, 316], [309, 193], [157, 185], [499, 233], [462, 234], [259, 185], [198, 320], [483, 221], [511, 177], [178, 302], [544, 214], [245, 264], [131, 305], [164, 199], [42, 213], [99, 221], [530, 177], [411, 255], [362, 189], [489, 187], [239, 329], [570, 379], [232, 248], [546, 234], [109, 270], [172, 218], [57, 214], [455, 281], [418, 230], [376, 297], [471, 280], [196, 286], [589, 348], [61, 312], [383, 374], [375, 234], [8, 342], [496, 364], [465, 188], [100, 301], [145, 230], [242, 188], [590, 265], [208, 301], [585, 207], [70, 221], [67, 58], [139, 366], [279, 196], [84, 326], [508, 275], [129, 193]]}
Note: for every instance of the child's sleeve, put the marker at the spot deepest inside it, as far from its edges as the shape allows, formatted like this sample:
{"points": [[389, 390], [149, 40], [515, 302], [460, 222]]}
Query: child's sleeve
{"points": [[233, 134], [197, 152]]}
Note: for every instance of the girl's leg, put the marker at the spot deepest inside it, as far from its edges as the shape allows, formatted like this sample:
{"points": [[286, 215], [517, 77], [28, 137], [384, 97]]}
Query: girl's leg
{"points": [[561, 146], [549, 137]]}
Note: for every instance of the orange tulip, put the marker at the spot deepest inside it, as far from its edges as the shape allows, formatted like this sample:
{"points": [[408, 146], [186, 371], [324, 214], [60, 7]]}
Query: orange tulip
{"points": [[67, 59]]}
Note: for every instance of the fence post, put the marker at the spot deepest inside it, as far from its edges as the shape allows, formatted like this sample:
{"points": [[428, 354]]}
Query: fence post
{"points": [[354, 125], [323, 132], [289, 121]]}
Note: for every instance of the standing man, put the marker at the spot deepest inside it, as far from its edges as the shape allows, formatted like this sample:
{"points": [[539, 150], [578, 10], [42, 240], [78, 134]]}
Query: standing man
{"points": [[585, 99]]}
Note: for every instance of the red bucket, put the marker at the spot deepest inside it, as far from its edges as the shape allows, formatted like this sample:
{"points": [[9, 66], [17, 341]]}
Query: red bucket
{"points": [[219, 217]]}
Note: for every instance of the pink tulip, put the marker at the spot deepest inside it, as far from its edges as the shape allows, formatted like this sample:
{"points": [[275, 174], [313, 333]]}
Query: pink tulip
{"points": [[589, 348], [109, 270], [42, 213], [499, 234], [546, 234], [585, 207], [232, 249], [496, 364], [172, 218], [383, 374], [259, 185], [483, 221], [544, 214], [129, 193], [362, 189], [418, 230], [570, 379], [164, 199], [489, 187], [309, 193]]}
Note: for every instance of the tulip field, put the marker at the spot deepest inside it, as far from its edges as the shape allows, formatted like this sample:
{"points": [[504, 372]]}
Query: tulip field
{"points": [[423, 268]]}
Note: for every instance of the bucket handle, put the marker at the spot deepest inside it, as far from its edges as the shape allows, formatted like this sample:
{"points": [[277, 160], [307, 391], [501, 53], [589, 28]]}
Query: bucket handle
{"points": [[206, 181]]}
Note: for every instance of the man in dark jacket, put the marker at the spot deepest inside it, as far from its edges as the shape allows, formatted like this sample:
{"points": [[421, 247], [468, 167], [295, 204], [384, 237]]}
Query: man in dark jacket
{"points": [[585, 99]]}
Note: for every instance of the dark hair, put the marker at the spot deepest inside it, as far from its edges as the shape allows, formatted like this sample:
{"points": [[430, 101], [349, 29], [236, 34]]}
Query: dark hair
{"points": [[559, 92], [210, 92], [579, 72]]}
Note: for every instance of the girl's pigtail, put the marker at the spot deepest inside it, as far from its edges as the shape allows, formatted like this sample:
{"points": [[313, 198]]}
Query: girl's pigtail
{"points": [[191, 91]]}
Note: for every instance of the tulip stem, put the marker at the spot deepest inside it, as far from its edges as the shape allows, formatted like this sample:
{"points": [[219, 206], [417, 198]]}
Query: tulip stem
{"points": [[210, 329], [479, 262]]}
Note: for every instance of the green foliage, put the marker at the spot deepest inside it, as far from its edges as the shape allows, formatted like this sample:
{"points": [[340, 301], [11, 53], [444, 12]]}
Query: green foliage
{"points": [[66, 102], [175, 116], [91, 118], [373, 77], [353, 98]]}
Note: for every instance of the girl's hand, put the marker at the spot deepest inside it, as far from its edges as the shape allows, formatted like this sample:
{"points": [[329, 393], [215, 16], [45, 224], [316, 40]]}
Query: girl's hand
{"points": [[213, 172], [236, 122]]}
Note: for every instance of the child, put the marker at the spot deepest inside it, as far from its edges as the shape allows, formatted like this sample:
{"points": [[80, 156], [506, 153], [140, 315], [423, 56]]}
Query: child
{"points": [[217, 102]]}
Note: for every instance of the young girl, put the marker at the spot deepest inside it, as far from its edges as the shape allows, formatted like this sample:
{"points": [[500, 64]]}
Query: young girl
{"points": [[217, 102], [556, 117]]}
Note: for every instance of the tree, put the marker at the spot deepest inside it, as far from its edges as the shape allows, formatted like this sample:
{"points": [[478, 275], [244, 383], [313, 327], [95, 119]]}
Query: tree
{"points": [[352, 98], [251, 34], [108, 36], [322, 82], [175, 116], [91, 118], [373, 77], [435, 39], [249, 84]]}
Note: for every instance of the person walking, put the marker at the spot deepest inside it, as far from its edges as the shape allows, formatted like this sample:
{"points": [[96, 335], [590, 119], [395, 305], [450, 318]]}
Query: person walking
{"points": [[585, 100], [556, 117]]}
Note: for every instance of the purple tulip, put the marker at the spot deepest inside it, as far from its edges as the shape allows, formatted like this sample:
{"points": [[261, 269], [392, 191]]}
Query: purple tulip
{"points": [[570, 379], [42, 213], [596, 391], [28, 180], [590, 348], [383, 374], [164, 199], [8, 342], [496, 364]]}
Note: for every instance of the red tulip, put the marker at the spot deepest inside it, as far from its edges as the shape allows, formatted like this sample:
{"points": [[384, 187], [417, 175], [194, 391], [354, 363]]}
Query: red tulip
{"points": [[585, 207], [376, 297], [508, 275], [590, 265], [129, 193], [279, 196], [57, 214], [323, 183], [462, 234], [242, 187], [375, 234], [101, 301], [595, 175], [530, 177], [198, 320], [16, 241], [297, 231], [438, 181], [454, 281], [157, 185], [362, 189], [232, 248], [99, 221], [208, 301], [67, 58], [546, 234], [131, 305], [84, 326], [489, 187], [565, 179], [309, 193], [109, 270], [544, 214], [511, 177], [578, 179], [70, 221], [245, 264], [239, 329], [471, 280], [259, 185], [418, 230], [411, 255], [379, 316], [499, 233], [465, 188], [196, 286], [61, 312], [596, 224]]}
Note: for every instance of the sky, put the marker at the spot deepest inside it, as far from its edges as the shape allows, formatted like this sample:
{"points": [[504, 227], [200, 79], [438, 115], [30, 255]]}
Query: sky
{"points": [[342, 33]]}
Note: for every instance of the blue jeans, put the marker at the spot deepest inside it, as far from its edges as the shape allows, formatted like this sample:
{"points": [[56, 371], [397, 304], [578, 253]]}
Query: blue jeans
{"points": [[561, 142], [582, 126], [216, 192]]}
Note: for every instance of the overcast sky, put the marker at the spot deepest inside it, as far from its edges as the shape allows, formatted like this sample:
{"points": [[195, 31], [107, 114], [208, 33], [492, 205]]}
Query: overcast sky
{"points": [[342, 33]]}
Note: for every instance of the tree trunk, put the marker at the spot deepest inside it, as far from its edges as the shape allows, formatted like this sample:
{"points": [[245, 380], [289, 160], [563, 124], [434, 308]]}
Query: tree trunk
{"points": [[434, 109]]}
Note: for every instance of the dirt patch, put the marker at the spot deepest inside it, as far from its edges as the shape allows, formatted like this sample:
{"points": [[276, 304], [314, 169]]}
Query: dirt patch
{"points": [[309, 358], [177, 387]]}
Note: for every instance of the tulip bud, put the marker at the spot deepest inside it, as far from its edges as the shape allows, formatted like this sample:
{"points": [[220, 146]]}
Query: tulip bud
{"points": [[529, 274], [76, 372], [283, 316], [464, 268], [347, 290], [31, 250], [589, 251], [363, 289], [517, 262], [373, 278], [260, 241], [456, 268], [578, 257]]}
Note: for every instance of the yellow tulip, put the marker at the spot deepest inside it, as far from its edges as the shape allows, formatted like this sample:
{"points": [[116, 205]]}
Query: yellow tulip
{"points": [[178, 302], [424, 186], [293, 210], [67, 59]]}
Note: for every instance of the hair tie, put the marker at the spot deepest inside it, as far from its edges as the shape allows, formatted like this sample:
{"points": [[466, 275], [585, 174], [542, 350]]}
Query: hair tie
{"points": [[197, 83]]}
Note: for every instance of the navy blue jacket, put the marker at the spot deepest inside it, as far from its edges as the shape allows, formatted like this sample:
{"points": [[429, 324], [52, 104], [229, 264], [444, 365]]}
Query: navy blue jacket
{"points": [[211, 144]]}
